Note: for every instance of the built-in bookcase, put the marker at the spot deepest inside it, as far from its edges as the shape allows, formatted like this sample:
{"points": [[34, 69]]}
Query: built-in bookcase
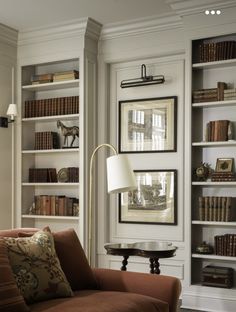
{"points": [[207, 70], [48, 158]]}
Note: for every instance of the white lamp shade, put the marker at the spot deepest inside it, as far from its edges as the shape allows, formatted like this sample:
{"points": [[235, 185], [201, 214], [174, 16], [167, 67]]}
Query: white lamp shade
{"points": [[12, 110], [120, 176]]}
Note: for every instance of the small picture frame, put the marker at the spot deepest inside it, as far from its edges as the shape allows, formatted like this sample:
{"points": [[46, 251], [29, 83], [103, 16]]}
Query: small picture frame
{"points": [[148, 125], [154, 201], [224, 165]]}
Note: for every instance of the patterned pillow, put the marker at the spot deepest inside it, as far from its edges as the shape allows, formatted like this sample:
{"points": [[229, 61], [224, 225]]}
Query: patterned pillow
{"points": [[10, 297], [36, 267]]}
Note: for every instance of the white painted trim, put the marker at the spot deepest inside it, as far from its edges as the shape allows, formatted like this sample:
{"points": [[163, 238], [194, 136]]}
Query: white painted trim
{"points": [[80, 27], [8, 35], [189, 7], [141, 26]]}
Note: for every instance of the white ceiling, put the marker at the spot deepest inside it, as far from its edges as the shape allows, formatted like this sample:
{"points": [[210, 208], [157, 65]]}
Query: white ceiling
{"points": [[26, 14]]}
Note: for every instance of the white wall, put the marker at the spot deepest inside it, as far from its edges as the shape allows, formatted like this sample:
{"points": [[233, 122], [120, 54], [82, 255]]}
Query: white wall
{"points": [[7, 61], [121, 58]]}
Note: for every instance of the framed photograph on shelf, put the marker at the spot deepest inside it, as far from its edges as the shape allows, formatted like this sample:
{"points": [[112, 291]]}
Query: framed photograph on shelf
{"points": [[148, 125], [154, 201], [224, 165]]}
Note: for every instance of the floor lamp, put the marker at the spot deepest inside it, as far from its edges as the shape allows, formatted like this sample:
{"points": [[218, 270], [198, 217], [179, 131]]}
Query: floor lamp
{"points": [[120, 178]]}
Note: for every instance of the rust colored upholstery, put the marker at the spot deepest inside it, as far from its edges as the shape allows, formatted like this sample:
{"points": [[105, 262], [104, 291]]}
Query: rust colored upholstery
{"points": [[104, 290], [102, 301]]}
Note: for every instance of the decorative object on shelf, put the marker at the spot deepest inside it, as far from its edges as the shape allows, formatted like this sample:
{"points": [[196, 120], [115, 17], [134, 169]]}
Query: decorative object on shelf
{"points": [[154, 201], [68, 131], [204, 248], [144, 80], [12, 108], [70, 174], [218, 276], [63, 175], [120, 178], [202, 172], [224, 165], [148, 125]]}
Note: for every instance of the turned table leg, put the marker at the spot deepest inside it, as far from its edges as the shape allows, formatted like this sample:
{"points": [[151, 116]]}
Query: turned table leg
{"points": [[154, 266], [124, 263]]}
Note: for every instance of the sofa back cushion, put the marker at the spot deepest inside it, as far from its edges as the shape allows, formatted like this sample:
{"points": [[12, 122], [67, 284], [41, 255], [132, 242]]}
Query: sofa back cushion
{"points": [[71, 255], [73, 260], [36, 267], [10, 298]]}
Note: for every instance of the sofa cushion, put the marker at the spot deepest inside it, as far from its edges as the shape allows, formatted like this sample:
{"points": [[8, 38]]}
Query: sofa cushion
{"points": [[102, 301], [36, 267], [10, 298], [73, 260]]}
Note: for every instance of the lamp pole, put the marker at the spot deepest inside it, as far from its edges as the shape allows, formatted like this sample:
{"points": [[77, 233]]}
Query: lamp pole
{"points": [[90, 214]]}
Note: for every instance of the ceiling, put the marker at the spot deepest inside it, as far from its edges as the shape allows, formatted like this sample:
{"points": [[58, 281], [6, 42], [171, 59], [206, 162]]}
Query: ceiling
{"points": [[27, 14]]}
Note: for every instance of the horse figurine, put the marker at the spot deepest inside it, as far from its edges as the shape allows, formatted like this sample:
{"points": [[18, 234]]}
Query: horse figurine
{"points": [[68, 131]]}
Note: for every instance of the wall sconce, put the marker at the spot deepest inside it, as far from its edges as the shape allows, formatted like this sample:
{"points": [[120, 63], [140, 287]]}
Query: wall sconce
{"points": [[12, 109]]}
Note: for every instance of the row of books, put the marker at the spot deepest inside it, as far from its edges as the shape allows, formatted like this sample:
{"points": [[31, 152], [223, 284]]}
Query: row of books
{"points": [[223, 176], [42, 175], [46, 140], [215, 208], [52, 107], [52, 205], [225, 245], [210, 94], [49, 175], [218, 130], [53, 77], [230, 94], [217, 51]]}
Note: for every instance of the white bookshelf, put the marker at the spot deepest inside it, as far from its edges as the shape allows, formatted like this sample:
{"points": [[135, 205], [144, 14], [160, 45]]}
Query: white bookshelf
{"points": [[58, 85], [204, 76], [52, 151]]}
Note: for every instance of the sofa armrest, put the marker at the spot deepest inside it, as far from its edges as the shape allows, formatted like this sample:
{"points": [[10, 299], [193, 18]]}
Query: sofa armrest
{"points": [[165, 288]]}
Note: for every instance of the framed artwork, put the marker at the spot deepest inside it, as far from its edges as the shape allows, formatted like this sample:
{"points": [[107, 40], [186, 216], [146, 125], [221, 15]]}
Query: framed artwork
{"points": [[224, 165], [154, 201], [148, 125]]}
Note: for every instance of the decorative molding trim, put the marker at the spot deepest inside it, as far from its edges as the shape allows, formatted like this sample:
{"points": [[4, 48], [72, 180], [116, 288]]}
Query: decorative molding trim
{"points": [[8, 35], [141, 26], [84, 26], [189, 7]]}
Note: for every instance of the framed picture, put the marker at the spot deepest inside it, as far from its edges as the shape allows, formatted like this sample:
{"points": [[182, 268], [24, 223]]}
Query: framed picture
{"points": [[154, 201], [148, 125], [224, 164]]}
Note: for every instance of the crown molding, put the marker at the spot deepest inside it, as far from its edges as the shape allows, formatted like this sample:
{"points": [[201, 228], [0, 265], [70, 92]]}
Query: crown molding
{"points": [[80, 27], [189, 7], [141, 26], [8, 35]]}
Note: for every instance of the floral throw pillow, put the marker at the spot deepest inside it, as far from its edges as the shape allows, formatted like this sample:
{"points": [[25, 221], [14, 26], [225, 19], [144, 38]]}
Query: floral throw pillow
{"points": [[36, 267]]}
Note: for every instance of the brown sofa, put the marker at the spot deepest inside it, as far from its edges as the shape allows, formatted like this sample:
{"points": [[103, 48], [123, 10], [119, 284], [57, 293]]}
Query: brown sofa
{"points": [[104, 290]]}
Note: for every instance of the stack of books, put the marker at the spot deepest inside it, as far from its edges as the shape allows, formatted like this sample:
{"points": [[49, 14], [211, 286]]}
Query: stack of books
{"points": [[44, 78], [223, 176], [210, 95], [73, 174], [230, 94], [53, 205], [42, 175], [217, 130], [66, 75], [52, 107], [215, 208], [46, 140], [217, 51], [225, 245]]}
